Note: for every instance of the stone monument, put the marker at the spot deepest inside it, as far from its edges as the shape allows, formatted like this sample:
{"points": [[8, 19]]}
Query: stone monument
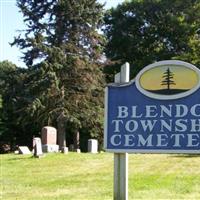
{"points": [[37, 147], [65, 150], [92, 146], [49, 137], [23, 150]]}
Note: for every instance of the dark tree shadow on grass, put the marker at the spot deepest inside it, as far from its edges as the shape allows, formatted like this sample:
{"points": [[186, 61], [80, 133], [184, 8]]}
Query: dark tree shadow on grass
{"points": [[21, 157], [185, 155]]}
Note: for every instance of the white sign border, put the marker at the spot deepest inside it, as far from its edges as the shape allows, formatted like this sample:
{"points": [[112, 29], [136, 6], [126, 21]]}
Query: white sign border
{"points": [[164, 63]]}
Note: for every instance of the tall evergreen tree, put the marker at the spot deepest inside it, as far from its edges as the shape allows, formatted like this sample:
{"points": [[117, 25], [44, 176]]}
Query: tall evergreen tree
{"points": [[62, 49]]}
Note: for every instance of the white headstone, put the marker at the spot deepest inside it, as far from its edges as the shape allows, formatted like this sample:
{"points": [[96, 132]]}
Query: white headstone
{"points": [[24, 150], [78, 151], [92, 146], [65, 150], [16, 152], [37, 146]]}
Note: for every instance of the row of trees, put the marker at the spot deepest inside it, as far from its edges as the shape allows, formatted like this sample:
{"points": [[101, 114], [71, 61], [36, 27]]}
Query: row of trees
{"points": [[65, 55], [144, 31]]}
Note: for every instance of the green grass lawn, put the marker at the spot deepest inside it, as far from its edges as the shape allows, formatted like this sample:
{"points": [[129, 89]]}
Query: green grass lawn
{"points": [[90, 177]]}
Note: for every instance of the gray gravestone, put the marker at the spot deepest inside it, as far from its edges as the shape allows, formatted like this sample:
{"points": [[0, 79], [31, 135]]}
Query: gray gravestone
{"points": [[50, 148], [24, 150], [37, 147], [71, 147], [65, 150], [92, 146], [49, 137]]}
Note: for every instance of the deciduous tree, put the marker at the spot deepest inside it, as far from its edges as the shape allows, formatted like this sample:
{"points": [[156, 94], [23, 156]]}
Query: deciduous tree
{"points": [[144, 31]]}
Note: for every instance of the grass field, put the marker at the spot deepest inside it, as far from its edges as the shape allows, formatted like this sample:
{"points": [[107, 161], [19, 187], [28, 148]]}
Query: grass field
{"points": [[90, 177]]}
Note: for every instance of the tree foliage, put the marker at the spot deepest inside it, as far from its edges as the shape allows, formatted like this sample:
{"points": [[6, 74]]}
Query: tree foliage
{"points": [[14, 97], [62, 49], [144, 31]]}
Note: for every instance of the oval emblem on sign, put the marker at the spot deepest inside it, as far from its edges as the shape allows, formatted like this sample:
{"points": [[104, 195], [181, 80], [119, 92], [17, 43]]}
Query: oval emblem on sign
{"points": [[171, 79]]}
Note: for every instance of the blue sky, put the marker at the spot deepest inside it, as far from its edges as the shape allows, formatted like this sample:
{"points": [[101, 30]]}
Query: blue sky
{"points": [[11, 20]]}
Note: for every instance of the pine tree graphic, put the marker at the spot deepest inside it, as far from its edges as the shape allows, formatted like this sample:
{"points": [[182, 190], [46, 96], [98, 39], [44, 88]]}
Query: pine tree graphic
{"points": [[168, 77]]}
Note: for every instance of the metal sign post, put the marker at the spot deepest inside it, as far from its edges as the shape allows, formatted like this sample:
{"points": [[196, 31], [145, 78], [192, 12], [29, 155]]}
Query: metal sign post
{"points": [[121, 159]]}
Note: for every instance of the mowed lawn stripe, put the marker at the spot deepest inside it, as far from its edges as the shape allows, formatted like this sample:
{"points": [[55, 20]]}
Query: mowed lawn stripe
{"points": [[90, 177]]}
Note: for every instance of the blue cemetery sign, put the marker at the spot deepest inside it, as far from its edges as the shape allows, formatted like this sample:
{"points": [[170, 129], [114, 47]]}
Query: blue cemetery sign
{"points": [[158, 112]]}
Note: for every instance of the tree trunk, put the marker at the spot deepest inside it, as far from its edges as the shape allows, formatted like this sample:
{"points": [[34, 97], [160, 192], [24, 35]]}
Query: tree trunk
{"points": [[61, 131], [76, 140]]}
